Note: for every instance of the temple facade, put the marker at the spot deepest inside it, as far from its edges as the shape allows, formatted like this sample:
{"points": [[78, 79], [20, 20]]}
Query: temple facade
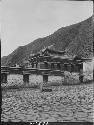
{"points": [[55, 60], [48, 62]]}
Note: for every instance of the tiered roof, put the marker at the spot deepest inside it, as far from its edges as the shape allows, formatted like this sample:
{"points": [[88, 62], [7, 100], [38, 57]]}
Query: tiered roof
{"points": [[56, 56]]}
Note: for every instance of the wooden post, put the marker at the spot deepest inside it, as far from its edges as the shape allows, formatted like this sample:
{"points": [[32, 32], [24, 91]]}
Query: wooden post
{"points": [[72, 67], [69, 67], [3, 77], [62, 67], [65, 66], [58, 66], [55, 65], [32, 65], [80, 66], [36, 65], [52, 66], [26, 78]]}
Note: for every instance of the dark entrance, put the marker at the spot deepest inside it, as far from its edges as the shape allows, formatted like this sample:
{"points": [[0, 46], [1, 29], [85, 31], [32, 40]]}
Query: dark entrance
{"points": [[26, 78]]}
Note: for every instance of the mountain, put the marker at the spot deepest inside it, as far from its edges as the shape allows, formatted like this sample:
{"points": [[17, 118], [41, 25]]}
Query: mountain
{"points": [[76, 39], [83, 43]]}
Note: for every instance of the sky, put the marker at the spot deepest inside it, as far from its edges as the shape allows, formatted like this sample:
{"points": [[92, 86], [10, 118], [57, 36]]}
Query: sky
{"points": [[23, 21]]}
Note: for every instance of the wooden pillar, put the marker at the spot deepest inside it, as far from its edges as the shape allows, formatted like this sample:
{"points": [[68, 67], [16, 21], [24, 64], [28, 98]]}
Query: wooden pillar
{"points": [[52, 65], [65, 66], [62, 67], [55, 66], [32, 65], [69, 67], [72, 67], [58, 66], [3, 77], [80, 66], [26, 78], [36, 65]]}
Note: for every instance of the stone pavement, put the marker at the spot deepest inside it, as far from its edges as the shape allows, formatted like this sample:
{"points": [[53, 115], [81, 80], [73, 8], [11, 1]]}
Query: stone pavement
{"points": [[64, 103]]}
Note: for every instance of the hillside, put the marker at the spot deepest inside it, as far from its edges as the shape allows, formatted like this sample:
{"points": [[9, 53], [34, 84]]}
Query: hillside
{"points": [[83, 42], [76, 39]]}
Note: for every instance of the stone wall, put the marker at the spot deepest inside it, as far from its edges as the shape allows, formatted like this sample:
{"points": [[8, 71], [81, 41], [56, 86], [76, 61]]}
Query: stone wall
{"points": [[16, 79]]}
